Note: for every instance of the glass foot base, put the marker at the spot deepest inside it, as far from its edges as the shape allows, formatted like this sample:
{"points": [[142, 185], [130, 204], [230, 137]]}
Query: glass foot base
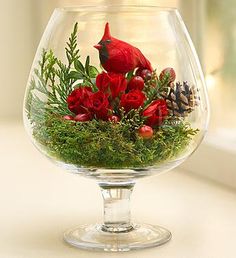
{"points": [[94, 238]]}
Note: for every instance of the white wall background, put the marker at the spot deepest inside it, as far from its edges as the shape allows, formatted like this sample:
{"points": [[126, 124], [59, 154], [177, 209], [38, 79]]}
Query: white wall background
{"points": [[16, 49]]}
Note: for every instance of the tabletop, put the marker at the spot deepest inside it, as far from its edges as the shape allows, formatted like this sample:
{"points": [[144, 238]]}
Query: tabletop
{"points": [[39, 201]]}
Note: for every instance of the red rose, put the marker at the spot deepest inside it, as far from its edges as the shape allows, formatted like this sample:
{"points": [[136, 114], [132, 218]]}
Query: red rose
{"points": [[111, 83], [132, 100], [78, 100], [156, 112], [102, 81], [99, 105]]}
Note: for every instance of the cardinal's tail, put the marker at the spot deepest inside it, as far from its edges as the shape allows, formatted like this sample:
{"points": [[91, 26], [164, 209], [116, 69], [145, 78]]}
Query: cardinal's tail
{"points": [[144, 62]]}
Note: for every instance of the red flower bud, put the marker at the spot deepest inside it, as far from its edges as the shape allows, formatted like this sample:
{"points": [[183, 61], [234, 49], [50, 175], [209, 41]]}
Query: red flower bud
{"points": [[136, 83], [114, 119], [168, 73], [83, 117], [156, 112], [145, 132], [68, 117]]}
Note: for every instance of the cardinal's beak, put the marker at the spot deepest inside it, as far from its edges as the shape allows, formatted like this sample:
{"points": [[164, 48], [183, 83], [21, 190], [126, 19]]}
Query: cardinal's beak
{"points": [[98, 46]]}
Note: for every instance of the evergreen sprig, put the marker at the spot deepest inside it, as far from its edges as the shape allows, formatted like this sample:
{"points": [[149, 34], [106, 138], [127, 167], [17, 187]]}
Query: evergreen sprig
{"points": [[131, 119], [53, 80], [72, 52], [155, 87]]}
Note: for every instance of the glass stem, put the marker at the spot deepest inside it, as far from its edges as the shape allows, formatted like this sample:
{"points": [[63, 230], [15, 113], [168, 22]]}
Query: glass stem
{"points": [[117, 207]]}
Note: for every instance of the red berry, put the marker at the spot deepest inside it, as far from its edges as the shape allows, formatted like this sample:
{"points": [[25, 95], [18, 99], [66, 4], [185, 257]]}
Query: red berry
{"points": [[138, 71], [114, 119], [146, 74], [67, 117], [82, 117], [136, 83], [145, 132], [168, 72]]}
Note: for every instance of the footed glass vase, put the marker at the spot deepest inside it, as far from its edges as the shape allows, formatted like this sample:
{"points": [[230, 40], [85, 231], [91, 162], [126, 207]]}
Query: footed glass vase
{"points": [[116, 93]]}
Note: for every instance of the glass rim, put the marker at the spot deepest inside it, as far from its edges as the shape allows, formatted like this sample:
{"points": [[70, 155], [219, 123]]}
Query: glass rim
{"points": [[111, 6]]}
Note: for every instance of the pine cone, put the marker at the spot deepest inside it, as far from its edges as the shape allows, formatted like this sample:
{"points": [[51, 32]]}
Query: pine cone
{"points": [[181, 99]]}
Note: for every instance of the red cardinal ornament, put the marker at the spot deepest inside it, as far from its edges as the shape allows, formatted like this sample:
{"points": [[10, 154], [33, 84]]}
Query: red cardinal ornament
{"points": [[118, 56]]}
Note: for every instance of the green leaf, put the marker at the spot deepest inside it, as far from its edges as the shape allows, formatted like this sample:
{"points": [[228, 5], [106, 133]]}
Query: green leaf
{"points": [[130, 75], [93, 71], [79, 66], [75, 75], [87, 65]]}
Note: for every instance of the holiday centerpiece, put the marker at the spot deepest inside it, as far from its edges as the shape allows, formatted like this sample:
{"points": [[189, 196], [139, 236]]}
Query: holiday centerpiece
{"points": [[125, 116], [133, 106]]}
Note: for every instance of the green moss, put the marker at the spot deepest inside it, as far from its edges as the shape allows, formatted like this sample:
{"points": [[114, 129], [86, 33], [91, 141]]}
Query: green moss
{"points": [[107, 145]]}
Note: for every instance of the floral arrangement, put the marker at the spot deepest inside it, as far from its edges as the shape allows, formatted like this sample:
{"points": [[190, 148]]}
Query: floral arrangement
{"points": [[126, 116]]}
